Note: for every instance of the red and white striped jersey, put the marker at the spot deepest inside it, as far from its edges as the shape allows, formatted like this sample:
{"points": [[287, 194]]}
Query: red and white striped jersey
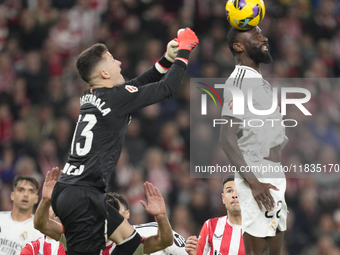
{"points": [[220, 237], [43, 246]]}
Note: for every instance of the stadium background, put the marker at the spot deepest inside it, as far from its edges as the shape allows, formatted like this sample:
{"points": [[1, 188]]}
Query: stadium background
{"points": [[40, 89]]}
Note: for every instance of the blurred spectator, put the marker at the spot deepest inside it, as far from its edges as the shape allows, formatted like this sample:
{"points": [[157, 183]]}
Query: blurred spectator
{"points": [[7, 164], [151, 123], [20, 102], [47, 157], [124, 170], [26, 166], [308, 215], [156, 170], [57, 96], [172, 144], [35, 74], [3, 28], [62, 135], [21, 145], [84, 20], [45, 14], [327, 227], [182, 221], [40, 124], [31, 35], [64, 36], [199, 206], [6, 122], [7, 74], [134, 143]]}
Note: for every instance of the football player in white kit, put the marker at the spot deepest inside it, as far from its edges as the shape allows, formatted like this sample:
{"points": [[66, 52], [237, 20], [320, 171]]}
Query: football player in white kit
{"points": [[147, 229], [261, 195], [16, 226]]}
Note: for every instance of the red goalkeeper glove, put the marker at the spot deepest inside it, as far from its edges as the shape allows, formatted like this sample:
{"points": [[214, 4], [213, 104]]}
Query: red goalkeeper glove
{"points": [[187, 41]]}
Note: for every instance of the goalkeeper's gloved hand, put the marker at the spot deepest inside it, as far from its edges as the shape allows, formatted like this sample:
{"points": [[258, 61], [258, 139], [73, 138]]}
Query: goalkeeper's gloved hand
{"points": [[171, 50], [164, 63], [187, 41]]}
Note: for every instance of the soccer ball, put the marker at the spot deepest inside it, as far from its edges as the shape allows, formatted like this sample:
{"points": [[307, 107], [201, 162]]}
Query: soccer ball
{"points": [[245, 14]]}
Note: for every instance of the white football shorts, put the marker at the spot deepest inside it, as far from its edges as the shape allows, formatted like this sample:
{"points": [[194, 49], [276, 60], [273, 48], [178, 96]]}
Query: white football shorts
{"points": [[255, 222]]}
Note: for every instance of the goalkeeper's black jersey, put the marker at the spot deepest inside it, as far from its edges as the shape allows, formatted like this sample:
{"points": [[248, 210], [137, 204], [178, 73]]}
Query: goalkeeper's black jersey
{"points": [[104, 116]]}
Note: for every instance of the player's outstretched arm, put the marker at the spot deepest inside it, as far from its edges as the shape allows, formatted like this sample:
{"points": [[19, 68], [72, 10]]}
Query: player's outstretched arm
{"points": [[42, 221], [156, 207], [228, 141], [157, 71], [191, 245], [158, 91]]}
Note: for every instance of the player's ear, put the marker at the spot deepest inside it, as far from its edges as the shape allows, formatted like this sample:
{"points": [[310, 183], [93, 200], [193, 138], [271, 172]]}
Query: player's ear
{"points": [[238, 47], [104, 74], [127, 214], [36, 199], [223, 198], [12, 196]]}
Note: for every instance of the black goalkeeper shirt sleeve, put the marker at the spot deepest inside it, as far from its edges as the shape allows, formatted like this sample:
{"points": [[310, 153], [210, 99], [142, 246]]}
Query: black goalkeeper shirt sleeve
{"points": [[151, 75], [132, 98]]}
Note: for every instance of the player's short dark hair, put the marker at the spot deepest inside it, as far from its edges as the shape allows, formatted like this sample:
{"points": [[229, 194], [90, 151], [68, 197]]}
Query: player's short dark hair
{"points": [[228, 178], [114, 199], [231, 38], [88, 59], [30, 179]]}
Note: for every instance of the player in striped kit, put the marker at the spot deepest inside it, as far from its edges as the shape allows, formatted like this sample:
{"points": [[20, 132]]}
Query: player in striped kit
{"points": [[44, 245], [221, 235]]}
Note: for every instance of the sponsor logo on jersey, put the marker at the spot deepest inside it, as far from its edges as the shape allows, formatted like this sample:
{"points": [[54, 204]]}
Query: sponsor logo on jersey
{"points": [[9, 246], [73, 170], [131, 88], [218, 237]]}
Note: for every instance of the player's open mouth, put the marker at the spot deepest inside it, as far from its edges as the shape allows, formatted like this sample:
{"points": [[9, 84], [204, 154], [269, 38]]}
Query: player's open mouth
{"points": [[264, 47], [25, 202]]}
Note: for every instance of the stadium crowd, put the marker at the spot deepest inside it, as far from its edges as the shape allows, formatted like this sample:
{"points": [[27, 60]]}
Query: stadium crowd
{"points": [[40, 90]]}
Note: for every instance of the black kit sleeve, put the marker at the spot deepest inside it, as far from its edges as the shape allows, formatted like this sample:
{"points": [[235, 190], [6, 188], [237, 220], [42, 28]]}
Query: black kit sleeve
{"points": [[129, 97], [150, 75]]}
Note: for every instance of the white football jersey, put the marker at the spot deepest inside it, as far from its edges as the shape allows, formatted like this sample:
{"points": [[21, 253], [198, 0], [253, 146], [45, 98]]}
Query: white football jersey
{"points": [[268, 131], [150, 229], [15, 234]]}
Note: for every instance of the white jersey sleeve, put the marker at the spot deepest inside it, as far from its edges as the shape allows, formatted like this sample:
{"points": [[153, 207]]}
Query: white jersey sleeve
{"points": [[151, 228]]}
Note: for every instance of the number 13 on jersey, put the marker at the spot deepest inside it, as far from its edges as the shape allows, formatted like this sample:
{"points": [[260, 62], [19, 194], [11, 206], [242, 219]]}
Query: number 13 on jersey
{"points": [[84, 124]]}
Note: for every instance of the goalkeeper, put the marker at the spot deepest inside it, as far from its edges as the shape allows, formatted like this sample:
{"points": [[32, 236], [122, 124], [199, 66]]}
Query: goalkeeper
{"points": [[105, 111]]}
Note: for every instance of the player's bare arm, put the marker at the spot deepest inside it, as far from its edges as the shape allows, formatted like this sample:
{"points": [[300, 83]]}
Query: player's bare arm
{"points": [[42, 222], [228, 141], [156, 207], [191, 245]]}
